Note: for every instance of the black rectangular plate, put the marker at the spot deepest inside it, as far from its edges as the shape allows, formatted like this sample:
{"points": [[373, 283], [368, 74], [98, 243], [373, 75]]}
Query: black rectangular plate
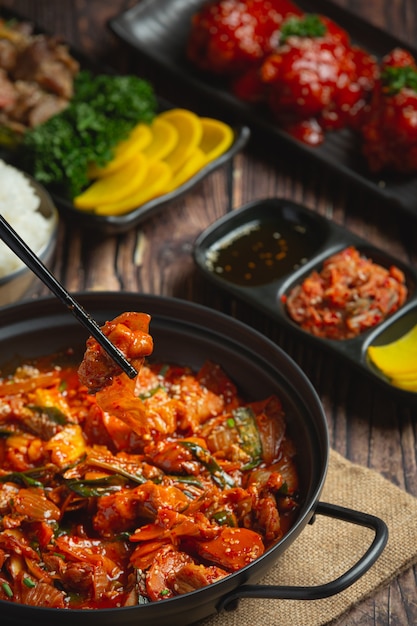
{"points": [[158, 30], [328, 238], [117, 224]]}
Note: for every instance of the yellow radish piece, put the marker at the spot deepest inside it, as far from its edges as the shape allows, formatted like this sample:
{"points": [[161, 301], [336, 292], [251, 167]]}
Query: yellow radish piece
{"points": [[193, 165], [155, 160], [407, 384], [216, 139], [164, 139], [155, 181], [190, 131], [398, 357], [116, 186], [139, 138], [406, 375]]}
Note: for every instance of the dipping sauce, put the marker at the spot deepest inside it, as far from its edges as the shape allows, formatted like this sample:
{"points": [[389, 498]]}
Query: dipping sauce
{"points": [[260, 252]]}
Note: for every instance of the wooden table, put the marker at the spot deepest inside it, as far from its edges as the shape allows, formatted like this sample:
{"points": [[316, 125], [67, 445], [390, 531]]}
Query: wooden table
{"points": [[366, 425]]}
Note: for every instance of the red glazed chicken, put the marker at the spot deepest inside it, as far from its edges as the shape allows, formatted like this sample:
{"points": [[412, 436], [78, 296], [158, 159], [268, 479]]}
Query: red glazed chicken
{"points": [[229, 36], [316, 80], [390, 133]]}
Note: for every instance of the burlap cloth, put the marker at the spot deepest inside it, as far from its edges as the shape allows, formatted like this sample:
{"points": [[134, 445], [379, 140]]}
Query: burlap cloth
{"points": [[328, 547]]}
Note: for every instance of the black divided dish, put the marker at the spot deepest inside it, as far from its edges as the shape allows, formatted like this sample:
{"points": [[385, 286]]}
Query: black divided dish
{"points": [[158, 30], [321, 238], [117, 224]]}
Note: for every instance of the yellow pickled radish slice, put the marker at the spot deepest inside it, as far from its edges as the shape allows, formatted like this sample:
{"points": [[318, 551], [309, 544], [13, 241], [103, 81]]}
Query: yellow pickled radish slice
{"points": [[154, 183], [139, 138], [164, 139], [116, 186], [190, 131], [195, 162], [398, 357], [405, 383], [216, 139]]}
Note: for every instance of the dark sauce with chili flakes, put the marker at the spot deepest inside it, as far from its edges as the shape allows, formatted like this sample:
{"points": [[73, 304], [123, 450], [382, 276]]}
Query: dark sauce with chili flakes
{"points": [[261, 252]]}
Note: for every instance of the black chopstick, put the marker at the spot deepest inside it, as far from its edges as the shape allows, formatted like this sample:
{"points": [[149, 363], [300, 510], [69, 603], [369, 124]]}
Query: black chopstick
{"points": [[19, 247]]}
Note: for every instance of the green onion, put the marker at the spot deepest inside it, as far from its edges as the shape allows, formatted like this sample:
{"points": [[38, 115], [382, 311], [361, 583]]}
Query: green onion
{"points": [[220, 477], [249, 435], [51, 412], [189, 480], [150, 392], [224, 518], [7, 590], [24, 478], [96, 487]]}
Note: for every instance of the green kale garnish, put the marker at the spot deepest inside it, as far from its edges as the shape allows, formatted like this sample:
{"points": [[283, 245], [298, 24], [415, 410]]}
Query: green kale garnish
{"points": [[309, 25], [102, 112], [394, 79]]}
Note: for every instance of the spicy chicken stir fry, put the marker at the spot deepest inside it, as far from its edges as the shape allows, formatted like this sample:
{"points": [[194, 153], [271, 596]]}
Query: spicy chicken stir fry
{"points": [[148, 489]]}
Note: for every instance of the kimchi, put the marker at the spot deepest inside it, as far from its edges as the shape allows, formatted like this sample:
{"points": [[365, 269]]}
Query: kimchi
{"points": [[118, 492]]}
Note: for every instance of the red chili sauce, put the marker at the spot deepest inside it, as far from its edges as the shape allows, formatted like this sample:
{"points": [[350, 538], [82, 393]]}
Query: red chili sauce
{"points": [[349, 295]]}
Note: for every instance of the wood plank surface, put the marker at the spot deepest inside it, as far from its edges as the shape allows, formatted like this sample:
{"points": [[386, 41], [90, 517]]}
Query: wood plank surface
{"points": [[366, 424]]}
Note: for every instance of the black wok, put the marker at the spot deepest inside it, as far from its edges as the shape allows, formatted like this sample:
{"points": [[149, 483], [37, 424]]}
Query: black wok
{"points": [[189, 334]]}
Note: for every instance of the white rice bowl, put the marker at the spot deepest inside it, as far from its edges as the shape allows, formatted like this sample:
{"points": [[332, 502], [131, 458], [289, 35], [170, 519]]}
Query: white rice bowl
{"points": [[20, 207], [30, 211]]}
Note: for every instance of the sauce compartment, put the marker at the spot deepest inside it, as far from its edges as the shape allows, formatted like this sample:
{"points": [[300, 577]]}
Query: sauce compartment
{"points": [[261, 251], [261, 243]]}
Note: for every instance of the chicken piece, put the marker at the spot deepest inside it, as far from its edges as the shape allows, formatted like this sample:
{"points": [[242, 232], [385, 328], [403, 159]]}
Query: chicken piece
{"points": [[389, 135], [127, 508], [228, 36], [193, 576], [129, 333], [198, 403], [67, 446], [316, 80], [232, 549], [161, 575], [212, 376], [13, 542]]}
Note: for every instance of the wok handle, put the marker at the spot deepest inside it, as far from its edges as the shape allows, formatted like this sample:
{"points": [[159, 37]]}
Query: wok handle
{"points": [[326, 590]]}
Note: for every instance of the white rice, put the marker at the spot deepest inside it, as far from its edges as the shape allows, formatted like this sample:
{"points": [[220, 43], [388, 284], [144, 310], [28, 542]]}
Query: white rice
{"points": [[19, 205]]}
